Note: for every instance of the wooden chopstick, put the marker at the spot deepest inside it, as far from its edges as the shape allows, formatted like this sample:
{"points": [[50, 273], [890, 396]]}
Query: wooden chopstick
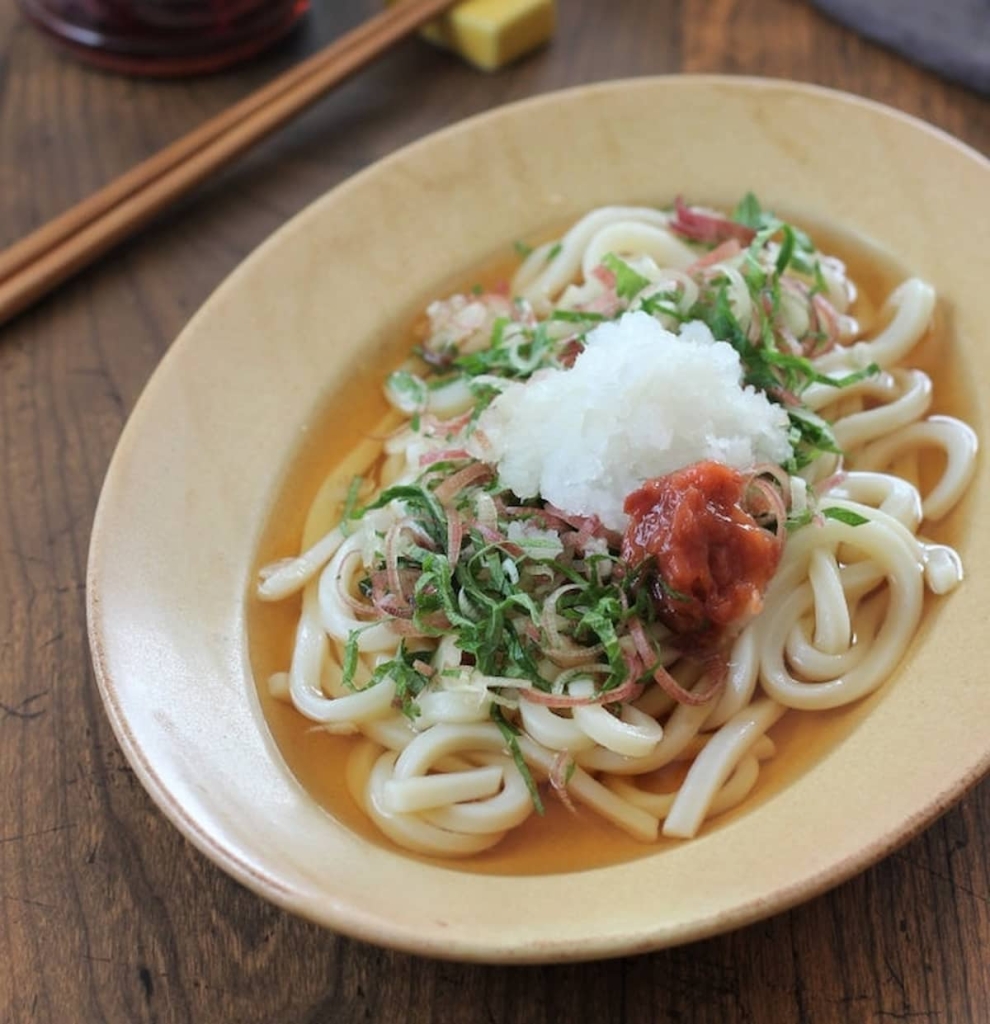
{"points": [[39, 262]]}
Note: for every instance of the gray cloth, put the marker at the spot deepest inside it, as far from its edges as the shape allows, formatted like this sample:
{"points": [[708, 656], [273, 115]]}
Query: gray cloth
{"points": [[951, 37]]}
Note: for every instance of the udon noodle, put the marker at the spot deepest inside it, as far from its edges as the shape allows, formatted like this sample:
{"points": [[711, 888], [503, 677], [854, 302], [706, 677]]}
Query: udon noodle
{"points": [[496, 648]]}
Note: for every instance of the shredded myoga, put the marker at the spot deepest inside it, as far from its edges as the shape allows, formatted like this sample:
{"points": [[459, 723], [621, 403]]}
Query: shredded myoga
{"points": [[655, 493]]}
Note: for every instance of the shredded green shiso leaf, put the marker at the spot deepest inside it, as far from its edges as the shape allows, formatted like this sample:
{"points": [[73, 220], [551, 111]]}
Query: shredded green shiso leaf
{"points": [[527, 613]]}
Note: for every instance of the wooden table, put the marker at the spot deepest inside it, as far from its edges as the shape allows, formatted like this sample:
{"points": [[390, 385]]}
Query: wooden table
{"points": [[106, 912]]}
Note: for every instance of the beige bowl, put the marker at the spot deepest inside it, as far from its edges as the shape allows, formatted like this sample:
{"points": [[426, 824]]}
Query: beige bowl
{"points": [[207, 453]]}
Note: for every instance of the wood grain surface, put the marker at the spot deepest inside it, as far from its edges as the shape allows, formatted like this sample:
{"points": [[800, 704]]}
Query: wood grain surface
{"points": [[106, 913]]}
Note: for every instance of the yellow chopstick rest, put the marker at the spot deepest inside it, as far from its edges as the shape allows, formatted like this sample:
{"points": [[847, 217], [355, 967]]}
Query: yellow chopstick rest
{"points": [[492, 33]]}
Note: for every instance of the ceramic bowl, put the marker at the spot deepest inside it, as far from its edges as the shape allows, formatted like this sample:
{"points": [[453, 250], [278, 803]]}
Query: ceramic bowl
{"points": [[274, 366]]}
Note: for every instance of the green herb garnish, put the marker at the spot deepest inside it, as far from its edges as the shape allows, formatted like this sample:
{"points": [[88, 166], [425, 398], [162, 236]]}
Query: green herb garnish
{"points": [[408, 392], [628, 282], [510, 733], [748, 211], [844, 515]]}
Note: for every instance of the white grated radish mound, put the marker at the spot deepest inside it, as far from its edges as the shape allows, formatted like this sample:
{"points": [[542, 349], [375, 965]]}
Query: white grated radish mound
{"points": [[639, 402]]}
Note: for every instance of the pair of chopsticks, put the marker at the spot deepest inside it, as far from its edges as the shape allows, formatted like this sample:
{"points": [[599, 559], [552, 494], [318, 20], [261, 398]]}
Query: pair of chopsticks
{"points": [[44, 259]]}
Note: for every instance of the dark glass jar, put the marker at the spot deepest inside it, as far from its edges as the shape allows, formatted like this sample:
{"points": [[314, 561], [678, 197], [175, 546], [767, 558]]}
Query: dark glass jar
{"points": [[165, 37]]}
